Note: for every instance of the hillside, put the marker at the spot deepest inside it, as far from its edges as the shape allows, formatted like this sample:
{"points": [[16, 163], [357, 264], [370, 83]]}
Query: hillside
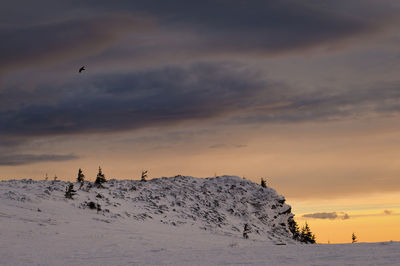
{"points": [[173, 221], [221, 205]]}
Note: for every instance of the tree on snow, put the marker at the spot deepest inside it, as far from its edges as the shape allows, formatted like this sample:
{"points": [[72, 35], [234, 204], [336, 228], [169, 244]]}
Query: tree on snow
{"points": [[81, 176], [353, 238], [263, 183], [246, 231], [69, 191], [100, 179], [144, 175], [306, 236]]}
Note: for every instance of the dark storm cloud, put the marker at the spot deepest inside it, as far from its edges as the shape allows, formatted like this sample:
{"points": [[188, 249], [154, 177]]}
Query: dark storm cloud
{"points": [[107, 103], [57, 34], [326, 104], [327, 215], [70, 39], [50, 31], [22, 159], [166, 96], [260, 27]]}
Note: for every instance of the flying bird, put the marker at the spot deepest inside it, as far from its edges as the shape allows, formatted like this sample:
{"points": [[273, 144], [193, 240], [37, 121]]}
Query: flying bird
{"points": [[81, 69]]}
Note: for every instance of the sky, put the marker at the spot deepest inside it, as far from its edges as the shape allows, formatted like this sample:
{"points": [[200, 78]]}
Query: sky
{"points": [[305, 94]]}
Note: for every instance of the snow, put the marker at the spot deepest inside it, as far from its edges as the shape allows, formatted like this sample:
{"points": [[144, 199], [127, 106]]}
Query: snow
{"points": [[165, 221]]}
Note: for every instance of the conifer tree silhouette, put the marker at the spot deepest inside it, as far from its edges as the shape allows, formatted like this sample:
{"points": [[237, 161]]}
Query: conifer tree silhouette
{"points": [[263, 183], [306, 236], [100, 179], [353, 238], [69, 191], [144, 175], [246, 231], [81, 176]]}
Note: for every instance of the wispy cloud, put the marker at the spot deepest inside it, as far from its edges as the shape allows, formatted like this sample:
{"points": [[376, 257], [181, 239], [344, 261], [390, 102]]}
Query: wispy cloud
{"points": [[384, 213], [227, 146], [327, 215], [388, 212], [22, 159], [345, 216]]}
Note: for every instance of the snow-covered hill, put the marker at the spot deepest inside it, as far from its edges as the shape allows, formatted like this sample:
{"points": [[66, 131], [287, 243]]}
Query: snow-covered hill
{"points": [[174, 221], [221, 205]]}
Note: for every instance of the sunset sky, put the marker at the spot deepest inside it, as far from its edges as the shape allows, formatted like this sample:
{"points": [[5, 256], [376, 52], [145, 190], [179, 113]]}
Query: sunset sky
{"points": [[304, 93]]}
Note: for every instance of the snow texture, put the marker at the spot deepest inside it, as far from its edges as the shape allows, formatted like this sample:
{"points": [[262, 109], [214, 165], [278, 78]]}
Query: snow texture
{"points": [[165, 221]]}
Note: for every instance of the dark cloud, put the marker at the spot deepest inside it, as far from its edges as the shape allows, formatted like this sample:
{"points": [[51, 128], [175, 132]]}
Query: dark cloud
{"points": [[22, 159], [344, 216], [56, 31], [327, 104], [107, 103], [44, 43], [261, 26], [166, 95], [169, 95], [10, 142], [218, 146], [327, 215], [227, 146]]}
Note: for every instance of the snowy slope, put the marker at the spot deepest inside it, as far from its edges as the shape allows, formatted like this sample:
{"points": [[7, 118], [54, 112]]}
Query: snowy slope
{"points": [[221, 205], [166, 221]]}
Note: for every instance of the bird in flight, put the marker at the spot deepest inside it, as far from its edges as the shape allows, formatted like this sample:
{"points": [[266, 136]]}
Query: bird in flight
{"points": [[81, 69]]}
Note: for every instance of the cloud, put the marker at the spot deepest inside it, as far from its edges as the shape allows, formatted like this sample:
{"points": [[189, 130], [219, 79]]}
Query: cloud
{"points": [[64, 40], [22, 159], [387, 212], [327, 215], [327, 104], [227, 146], [345, 216], [10, 142], [109, 103], [232, 92], [52, 31], [262, 27]]}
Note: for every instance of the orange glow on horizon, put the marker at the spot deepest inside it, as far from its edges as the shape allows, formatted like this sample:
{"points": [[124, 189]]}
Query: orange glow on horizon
{"points": [[368, 227]]}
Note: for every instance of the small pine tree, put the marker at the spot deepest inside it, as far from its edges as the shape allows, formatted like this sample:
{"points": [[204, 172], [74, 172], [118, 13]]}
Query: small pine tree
{"points": [[100, 179], [144, 175], [263, 183], [246, 231], [306, 236], [81, 176], [353, 238], [69, 191]]}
